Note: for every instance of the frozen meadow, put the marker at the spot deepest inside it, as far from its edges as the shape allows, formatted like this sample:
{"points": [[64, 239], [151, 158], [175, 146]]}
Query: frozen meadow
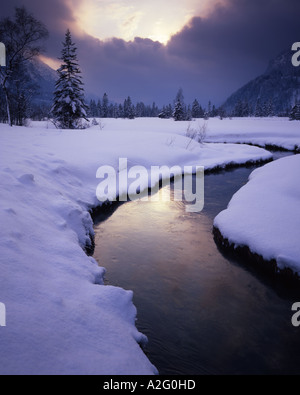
{"points": [[60, 317]]}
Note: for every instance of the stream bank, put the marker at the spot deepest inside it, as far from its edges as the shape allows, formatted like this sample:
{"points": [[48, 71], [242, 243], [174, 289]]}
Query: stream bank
{"points": [[202, 311]]}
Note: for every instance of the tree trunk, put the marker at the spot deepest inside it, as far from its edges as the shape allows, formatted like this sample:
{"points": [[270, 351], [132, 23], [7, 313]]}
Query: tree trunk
{"points": [[7, 106]]}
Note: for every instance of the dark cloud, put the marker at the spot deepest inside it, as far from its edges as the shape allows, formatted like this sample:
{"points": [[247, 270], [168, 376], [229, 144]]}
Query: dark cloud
{"points": [[55, 14], [238, 39], [255, 29], [141, 68], [209, 58]]}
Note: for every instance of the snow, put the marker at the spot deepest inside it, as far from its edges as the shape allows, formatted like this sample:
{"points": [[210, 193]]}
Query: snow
{"points": [[61, 319], [265, 214], [279, 132]]}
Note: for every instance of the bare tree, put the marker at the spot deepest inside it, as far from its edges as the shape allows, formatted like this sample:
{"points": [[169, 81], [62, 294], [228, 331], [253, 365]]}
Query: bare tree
{"points": [[23, 39]]}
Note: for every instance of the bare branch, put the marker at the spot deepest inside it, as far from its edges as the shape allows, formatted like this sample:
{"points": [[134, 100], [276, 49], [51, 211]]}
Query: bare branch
{"points": [[22, 38]]}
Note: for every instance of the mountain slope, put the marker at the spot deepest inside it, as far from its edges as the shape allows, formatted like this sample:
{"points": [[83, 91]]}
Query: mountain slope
{"points": [[44, 77], [278, 89]]}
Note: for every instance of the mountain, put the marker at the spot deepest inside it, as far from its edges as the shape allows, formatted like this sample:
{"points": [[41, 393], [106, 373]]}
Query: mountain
{"points": [[31, 90], [44, 78], [273, 93]]}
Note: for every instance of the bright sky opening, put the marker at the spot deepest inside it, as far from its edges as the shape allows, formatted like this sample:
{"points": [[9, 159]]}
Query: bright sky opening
{"points": [[126, 19]]}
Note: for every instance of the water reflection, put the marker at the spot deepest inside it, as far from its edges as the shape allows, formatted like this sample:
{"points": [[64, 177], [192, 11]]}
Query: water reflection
{"points": [[202, 312]]}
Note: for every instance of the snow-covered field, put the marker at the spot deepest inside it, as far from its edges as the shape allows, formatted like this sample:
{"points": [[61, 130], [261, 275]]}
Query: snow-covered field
{"points": [[61, 319], [265, 214], [279, 132], [263, 132]]}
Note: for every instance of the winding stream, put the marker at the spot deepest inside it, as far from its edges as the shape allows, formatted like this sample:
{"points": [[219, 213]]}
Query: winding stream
{"points": [[202, 312]]}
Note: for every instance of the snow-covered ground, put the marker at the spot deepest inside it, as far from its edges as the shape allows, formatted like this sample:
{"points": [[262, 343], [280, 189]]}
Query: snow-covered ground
{"points": [[61, 319], [258, 131], [263, 132], [265, 214]]}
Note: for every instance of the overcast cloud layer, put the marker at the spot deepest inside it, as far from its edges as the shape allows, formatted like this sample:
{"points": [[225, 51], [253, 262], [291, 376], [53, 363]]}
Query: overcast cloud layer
{"points": [[209, 58]]}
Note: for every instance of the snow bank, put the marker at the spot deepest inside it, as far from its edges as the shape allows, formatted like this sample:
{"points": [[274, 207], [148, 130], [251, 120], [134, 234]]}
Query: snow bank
{"points": [[61, 319], [265, 214], [264, 132]]}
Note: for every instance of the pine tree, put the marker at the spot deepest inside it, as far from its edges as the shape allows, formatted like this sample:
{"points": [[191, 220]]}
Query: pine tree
{"points": [[69, 107], [245, 109], [129, 111], [214, 112], [116, 111], [238, 110], [196, 109], [188, 114], [270, 108], [99, 109], [105, 102], [154, 110], [209, 109], [265, 109], [295, 113], [179, 113], [92, 109], [258, 109], [164, 113], [298, 112], [222, 113], [202, 112]]}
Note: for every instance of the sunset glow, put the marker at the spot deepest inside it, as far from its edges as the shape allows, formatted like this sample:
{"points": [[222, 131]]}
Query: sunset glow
{"points": [[53, 63], [125, 19]]}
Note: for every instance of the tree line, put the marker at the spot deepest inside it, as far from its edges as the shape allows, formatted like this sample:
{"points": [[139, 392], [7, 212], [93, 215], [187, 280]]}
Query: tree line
{"points": [[261, 109], [103, 108]]}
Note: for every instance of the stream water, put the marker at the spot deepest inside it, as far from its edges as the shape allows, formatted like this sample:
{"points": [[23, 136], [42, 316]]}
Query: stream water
{"points": [[203, 313]]}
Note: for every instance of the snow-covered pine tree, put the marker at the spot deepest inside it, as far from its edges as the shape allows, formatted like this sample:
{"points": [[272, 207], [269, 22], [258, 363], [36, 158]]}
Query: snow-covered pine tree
{"points": [[209, 109], [92, 109], [179, 113], [298, 112], [69, 107], [188, 116], [99, 109], [129, 109], [295, 113], [105, 103], [196, 109]]}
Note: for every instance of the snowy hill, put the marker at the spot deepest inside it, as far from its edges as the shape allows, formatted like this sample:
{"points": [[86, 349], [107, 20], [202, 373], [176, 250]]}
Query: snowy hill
{"points": [[274, 92]]}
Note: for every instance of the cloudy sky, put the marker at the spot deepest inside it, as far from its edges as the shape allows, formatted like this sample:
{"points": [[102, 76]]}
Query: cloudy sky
{"points": [[149, 49]]}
